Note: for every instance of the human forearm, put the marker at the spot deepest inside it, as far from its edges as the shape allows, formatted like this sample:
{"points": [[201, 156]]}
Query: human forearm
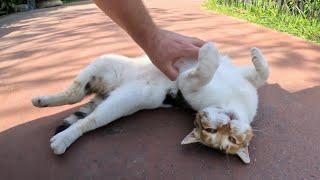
{"points": [[163, 47], [133, 17]]}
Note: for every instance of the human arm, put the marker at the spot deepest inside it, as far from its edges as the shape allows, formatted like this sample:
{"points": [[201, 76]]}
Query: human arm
{"points": [[163, 47]]}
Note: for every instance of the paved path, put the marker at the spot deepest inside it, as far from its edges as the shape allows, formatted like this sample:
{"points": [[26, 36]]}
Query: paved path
{"points": [[41, 51]]}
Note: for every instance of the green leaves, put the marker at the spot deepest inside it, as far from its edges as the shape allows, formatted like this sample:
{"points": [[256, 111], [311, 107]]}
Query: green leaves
{"points": [[6, 6], [303, 23]]}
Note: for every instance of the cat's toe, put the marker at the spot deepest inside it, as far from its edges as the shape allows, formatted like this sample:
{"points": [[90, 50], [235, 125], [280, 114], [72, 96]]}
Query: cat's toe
{"points": [[59, 143], [256, 54], [223, 118], [58, 148], [39, 102], [255, 50]]}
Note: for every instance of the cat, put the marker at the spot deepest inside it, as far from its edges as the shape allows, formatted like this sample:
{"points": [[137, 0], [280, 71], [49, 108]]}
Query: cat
{"points": [[224, 96]]}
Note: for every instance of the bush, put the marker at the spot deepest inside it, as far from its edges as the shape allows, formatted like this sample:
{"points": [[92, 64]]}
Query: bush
{"points": [[296, 17], [306, 8], [8, 6]]}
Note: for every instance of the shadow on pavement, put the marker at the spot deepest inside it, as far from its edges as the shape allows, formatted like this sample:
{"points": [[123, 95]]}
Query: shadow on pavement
{"points": [[146, 145]]}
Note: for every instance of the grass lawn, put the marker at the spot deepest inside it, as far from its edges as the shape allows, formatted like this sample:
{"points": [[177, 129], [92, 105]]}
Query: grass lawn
{"points": [[271, 17], [70, 1]]}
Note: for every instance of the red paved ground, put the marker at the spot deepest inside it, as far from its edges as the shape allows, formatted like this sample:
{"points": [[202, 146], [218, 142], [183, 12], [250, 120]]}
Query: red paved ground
{"points": [[41, 51]]}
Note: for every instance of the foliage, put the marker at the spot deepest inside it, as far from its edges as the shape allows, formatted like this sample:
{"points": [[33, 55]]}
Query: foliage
{"points": [[305, 8], [300, 18], [6, 6], [70, 1]]}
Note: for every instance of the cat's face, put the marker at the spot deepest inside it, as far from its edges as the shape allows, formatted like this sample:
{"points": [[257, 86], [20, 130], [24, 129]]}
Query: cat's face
{"points": [[221, 131]]}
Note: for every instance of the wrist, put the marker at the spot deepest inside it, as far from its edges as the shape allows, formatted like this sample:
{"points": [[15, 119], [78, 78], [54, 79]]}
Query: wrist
{"points": [[150, 39]]}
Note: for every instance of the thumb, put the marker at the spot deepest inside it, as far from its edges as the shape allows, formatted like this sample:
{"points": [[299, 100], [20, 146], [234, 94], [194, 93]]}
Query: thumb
{"points": [[191, 52], [198, 42], [171, 72]]}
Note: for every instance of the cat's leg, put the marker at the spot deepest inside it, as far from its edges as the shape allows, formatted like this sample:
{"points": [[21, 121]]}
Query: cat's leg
{"points": [[121, 102], [81, 113], [204, 71], [259, 72], [95, 78], [75, 93]]}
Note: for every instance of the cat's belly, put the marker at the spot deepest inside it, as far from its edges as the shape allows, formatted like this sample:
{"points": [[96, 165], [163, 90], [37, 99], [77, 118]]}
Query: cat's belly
{"points": [[225, 93]]}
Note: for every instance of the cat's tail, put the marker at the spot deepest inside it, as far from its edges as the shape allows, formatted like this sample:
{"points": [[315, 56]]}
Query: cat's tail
{"points": [[258, 74]]}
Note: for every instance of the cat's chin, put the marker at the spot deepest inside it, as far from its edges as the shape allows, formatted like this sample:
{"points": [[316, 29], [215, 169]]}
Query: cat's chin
{"points": [[242, 153]]}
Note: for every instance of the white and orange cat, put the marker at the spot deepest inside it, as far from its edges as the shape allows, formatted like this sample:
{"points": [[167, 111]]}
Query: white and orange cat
{"points": [[224, 96]]}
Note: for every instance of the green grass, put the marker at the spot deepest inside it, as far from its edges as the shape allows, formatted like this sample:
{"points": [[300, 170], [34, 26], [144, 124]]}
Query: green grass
{"points": [[272, 17], [70, 1]]}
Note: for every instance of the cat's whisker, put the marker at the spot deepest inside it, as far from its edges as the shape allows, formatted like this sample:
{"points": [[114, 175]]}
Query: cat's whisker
{"points": [[228, 164], [256, 130], [228, 159], [259, 129], [262, 131]]}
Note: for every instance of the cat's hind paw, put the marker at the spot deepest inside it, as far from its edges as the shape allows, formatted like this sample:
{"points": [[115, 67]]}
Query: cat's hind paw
{"points": [[39, 101], [260, 63], [255, 51]]}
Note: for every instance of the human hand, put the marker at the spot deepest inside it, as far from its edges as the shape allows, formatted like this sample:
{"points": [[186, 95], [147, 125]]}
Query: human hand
{"points": [[167, 47]]}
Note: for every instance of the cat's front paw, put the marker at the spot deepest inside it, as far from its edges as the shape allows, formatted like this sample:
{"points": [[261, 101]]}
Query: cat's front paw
{"points": [[209, 54], [60, 142], [39, 101]]}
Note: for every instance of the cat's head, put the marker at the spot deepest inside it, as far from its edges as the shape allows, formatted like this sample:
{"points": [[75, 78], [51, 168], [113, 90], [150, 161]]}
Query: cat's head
{"points": [[221, 130]]}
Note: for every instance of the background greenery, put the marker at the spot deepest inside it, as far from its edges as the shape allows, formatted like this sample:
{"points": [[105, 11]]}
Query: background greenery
{"points": [[297, 17], [7, 6]]}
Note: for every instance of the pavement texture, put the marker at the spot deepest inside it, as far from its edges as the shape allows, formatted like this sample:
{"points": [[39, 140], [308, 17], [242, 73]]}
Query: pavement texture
{"points": [[42, 51]]}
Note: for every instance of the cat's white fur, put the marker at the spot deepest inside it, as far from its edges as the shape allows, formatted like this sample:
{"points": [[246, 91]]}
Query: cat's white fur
{"points": [[220, 84], [133, 84], [227, 94]]}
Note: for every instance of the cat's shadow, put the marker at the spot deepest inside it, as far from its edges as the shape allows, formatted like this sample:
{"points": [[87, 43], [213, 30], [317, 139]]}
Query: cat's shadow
{"points": [[147, 144]]}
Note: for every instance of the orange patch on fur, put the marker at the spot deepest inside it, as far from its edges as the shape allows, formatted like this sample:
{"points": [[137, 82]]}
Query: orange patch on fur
{"points": [[223, 132]]}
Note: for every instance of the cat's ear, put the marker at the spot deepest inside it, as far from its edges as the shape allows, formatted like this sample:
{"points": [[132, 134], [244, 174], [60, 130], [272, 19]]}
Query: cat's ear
{"points": [[243, 153], [191, 138]]}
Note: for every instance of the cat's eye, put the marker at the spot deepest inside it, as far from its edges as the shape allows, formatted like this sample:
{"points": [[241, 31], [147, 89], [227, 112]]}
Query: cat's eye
{"points": [[233, 140], [211, 130]]}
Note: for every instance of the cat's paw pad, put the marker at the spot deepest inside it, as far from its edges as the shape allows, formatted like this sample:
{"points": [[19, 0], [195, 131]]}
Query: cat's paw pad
{"points": [[256, 54], [255, 51], [216, 115], [39, 102], [222, 117], [60, 142], [259, 61]]}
